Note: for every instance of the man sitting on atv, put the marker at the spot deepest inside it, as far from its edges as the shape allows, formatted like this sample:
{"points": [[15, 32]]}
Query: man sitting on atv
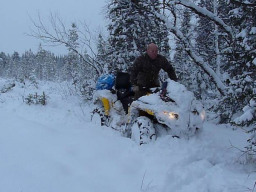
{"points": [[145, 70]]}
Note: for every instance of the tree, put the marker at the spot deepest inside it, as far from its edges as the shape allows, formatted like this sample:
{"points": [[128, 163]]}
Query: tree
{"points": [[45, 64], [195, 56], [71, 67], [103, 54], [186, 71], [58, 34], [14, 67], [81, 63], [243, 57], [211, 43], [27, 62], [4, 61], [240, 67], [133, 25]]}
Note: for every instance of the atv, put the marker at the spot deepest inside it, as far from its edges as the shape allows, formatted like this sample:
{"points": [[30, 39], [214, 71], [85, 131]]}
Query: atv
{"points": [[170, 110]]}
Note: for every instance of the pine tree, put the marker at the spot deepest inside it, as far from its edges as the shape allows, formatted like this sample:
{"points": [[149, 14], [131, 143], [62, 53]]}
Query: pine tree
{"points": [[133, 25], [72, 60], [213, 44], [4, 61], [102, 56], [124, 30], [240, 68], [27, 62], [207, 45], [186, 71], [14, 66], [40, 56]]}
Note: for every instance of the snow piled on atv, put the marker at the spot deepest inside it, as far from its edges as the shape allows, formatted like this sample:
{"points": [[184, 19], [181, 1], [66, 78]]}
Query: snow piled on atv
{"points": [[183, 114]]}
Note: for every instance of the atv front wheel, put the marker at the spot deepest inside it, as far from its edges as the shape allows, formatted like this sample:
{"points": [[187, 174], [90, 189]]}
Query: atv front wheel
{"points": [[143, 131]]}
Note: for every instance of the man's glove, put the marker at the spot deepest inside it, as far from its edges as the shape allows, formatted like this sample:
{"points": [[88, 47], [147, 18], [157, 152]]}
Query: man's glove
{"points": [[135, 88]]}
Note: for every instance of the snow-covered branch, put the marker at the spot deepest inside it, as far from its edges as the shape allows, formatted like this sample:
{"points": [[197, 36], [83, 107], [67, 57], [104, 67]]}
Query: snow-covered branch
{"points": [[203, 12], [243, 3], [198, 60]]}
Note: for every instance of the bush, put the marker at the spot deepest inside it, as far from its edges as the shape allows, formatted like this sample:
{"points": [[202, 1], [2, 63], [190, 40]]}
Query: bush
{"points": [[36, 99], [7, 87]]}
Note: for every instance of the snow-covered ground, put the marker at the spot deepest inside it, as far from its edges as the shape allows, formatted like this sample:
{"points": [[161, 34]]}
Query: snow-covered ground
{"points": [[56, 148]]}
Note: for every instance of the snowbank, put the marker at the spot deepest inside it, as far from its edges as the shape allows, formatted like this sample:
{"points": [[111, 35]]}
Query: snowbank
{"points": [[56, 148]]}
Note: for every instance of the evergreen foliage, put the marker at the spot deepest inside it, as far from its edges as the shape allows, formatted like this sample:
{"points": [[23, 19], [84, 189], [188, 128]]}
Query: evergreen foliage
{"points": [[133, 25], [240, 68], [36, 99], [103, 54], [187, 72]]}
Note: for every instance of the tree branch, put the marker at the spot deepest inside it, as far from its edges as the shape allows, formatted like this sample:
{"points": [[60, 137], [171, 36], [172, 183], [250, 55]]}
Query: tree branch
{"points": [[59, 36], [242, 3], [203, 12], [199, 61]]}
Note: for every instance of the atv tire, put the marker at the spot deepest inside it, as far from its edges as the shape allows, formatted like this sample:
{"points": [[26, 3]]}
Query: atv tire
{"points": [[143, 131], [99, 118]]}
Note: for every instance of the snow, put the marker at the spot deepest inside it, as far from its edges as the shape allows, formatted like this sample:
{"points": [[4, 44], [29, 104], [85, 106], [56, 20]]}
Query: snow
{"points": [[249, 113], [253, 31], [183, 113], [57, 148], [254, 61], [206, 13]]}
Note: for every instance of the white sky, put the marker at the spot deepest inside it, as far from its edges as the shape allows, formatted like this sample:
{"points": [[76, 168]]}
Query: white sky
{"points": [[15, 20]]}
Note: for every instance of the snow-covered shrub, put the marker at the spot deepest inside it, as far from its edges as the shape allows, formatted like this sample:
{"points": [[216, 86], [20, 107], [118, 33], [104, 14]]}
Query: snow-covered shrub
{"points": [[7, 87], [249, 116], [86, 89], [36, 99]]}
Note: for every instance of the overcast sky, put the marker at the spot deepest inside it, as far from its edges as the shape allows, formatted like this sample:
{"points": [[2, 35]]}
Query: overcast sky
{"points": [[15, 20]]}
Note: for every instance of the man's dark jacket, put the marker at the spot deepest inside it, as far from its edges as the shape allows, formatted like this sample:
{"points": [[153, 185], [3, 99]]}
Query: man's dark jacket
{"points": [[145, 71]]}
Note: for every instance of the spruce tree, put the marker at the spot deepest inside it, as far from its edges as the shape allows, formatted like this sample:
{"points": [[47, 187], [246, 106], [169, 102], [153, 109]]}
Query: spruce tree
{"points": [[4, 61], [240, 67], [102, 56], [72, 60], [14, 66], [133, 25], [27, 62], [186, 71]]}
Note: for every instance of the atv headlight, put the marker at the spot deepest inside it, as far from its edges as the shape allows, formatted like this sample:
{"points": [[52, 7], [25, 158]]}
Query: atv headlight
{"points": [[171, 115]]}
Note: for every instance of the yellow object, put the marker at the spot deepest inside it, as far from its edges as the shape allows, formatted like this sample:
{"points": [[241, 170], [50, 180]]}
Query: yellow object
{"points": [[106, 105], [149, 112]]}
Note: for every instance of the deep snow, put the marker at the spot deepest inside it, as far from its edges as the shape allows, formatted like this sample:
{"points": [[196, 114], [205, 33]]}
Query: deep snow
{"points": [[56, 148]]}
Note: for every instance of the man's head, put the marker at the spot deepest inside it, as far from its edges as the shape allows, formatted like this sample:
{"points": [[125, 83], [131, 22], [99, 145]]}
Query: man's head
{"points": [[152, 50]]}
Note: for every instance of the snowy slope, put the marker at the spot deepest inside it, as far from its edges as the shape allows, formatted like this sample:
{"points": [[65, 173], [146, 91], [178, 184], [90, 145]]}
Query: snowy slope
{"points": [[55, 148]]}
